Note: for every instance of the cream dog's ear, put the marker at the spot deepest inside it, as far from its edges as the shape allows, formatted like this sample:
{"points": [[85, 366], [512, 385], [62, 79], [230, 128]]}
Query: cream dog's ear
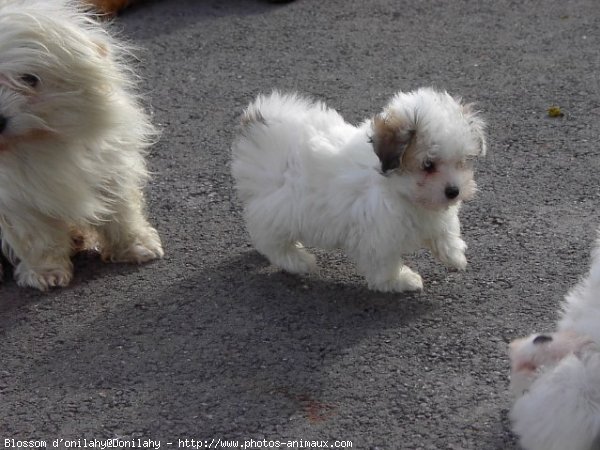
{"points": [[391, 137]]}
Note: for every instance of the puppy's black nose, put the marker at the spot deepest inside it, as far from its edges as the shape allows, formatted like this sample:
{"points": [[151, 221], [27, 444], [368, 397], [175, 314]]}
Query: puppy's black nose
{"points": [[3, 123], [451, 192], [542, 339]]}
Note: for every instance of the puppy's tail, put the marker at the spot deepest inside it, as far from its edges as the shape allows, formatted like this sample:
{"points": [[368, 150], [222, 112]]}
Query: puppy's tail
{"points": [[278, 106], [252, 116], [260, 153], [580, 311]]}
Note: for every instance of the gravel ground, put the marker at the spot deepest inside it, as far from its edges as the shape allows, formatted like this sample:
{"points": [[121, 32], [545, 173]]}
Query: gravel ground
{"points": [[213, 342]]}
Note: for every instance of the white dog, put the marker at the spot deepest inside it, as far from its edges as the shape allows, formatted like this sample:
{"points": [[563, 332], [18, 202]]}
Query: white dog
{"points": [[556, 376], [379, 190], [72, 140]]}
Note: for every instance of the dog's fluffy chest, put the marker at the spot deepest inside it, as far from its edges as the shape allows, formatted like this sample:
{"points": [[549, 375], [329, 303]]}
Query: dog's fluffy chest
{"points": [[57, 182]]}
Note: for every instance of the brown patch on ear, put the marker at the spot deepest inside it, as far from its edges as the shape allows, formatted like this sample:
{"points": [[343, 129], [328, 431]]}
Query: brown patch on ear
{"points": [[391, 137]]}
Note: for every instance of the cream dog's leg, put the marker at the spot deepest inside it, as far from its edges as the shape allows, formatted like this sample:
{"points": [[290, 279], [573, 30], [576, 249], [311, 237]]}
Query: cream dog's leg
{"points": [[41, 248], [127, 236]]}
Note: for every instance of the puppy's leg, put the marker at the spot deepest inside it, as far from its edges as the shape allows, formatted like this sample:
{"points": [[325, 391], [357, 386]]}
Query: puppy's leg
{"points": [[40, 248], [291, 257], [127, 236], [270, 224], [281, 251], [387, 273], [402, 279], [447, 245]]}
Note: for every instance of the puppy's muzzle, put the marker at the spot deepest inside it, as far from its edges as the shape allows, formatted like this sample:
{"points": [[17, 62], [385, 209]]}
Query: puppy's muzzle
{"points": [[451, 192], [3, 123]]}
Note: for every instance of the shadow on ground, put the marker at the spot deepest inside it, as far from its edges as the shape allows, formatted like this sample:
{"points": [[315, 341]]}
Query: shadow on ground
{"points": [[245, 338]]}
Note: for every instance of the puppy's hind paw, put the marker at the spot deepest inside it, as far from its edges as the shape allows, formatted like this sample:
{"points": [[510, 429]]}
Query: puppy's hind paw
{"points": [[44, 278], [294, 259]]}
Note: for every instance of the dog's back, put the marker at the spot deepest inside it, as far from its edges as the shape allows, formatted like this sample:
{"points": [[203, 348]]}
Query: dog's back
{"points": [[277, 131], [289, 109]]}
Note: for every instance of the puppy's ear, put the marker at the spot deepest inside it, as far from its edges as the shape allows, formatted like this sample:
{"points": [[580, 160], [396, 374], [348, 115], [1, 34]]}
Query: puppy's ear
{"points": [[391, 137], [477, 125]]}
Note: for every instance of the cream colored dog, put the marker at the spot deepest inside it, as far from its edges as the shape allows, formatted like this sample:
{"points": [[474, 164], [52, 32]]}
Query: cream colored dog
{"points": [[72, 142]]}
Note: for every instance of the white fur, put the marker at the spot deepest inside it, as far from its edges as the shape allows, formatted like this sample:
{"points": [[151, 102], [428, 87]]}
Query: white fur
{"points": [[557, 383], [72, 151], [307, 177]]}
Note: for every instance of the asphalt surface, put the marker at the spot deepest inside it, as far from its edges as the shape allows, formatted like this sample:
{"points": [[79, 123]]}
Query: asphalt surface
{"points": [[213, 342]]}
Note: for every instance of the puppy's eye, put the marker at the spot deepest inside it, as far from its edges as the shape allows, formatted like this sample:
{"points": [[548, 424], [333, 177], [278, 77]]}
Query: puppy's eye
{"points": [[30, 80], [428, 166]]}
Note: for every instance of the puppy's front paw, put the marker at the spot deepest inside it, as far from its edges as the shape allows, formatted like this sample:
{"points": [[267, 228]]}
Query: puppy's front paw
{"points": [[43, 278], [406, 281], [456, 260], [451, 254]]}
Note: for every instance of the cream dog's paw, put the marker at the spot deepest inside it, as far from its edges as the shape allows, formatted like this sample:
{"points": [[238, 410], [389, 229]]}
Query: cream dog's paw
{"points": [[43, 278], [142, 249]]}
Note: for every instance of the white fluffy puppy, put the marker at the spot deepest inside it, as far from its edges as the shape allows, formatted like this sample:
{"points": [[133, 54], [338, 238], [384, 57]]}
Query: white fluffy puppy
{"points": [[72, 140], [556, 376], [387, 187]]}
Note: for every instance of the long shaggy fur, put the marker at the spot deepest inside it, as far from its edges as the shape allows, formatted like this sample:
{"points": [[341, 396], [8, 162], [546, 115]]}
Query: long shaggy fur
{"points": [[72, 143], [307, 177], [556, 377]]}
